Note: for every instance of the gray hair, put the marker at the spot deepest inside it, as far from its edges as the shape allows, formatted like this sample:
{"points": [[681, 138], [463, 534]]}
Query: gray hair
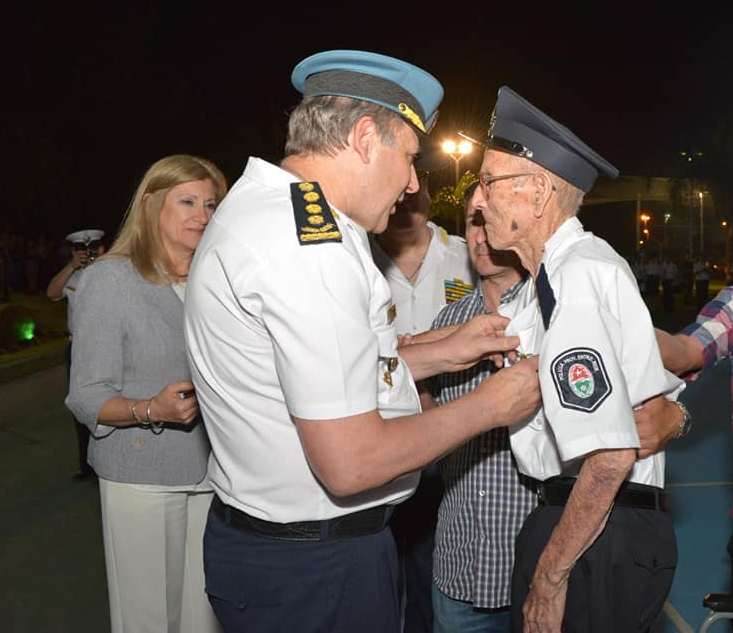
{"points": [[321, 125], [569, 197]]}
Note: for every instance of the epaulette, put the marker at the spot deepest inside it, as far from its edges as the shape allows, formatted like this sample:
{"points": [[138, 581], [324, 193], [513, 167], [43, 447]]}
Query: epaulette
{"points": [[314, 221], [443, 235]]}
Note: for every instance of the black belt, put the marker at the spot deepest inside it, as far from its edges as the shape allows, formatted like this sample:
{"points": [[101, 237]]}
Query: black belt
{"points": [[555, 492], [361, 523]]}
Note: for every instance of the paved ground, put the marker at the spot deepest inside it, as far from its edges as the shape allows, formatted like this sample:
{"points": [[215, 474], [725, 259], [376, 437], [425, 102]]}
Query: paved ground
{"points": [[51, 559]]}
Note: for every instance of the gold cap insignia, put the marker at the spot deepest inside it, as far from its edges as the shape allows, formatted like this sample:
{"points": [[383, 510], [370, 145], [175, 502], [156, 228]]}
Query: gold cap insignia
{"points": [[412, 116]]}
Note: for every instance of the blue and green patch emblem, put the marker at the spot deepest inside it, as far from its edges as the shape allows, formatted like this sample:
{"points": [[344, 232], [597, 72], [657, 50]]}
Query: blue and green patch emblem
{"points": [[580, 379]]}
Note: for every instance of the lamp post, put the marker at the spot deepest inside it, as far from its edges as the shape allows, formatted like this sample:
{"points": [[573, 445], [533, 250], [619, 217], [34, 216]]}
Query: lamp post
{"points": [[645, 217], [701, 197], [457, 151], [667, 217], [727, 228]]}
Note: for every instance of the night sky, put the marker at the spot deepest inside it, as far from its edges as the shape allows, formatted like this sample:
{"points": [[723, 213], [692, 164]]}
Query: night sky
{"points": [[97, 93]]}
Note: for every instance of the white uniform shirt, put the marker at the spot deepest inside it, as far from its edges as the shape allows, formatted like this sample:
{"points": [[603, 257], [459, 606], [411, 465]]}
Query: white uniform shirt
{"points": [[445, 276], [276, 329], [598, 359], [69, 293]]}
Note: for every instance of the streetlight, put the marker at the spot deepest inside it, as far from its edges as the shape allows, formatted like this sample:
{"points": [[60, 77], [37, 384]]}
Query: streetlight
{"points": [[700, 196], [644, 218], [667, 217], [726, 225], [457, 151]]}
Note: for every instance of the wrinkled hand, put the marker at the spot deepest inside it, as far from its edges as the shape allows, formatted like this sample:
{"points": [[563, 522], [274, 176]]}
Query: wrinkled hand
{"points": [[481, 337], [513, 394], [169, 406], [657, 421], [544, 607]]}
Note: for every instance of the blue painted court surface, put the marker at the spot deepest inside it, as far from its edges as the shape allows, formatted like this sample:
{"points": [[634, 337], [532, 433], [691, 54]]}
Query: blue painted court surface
{"points": [[700, 487]]}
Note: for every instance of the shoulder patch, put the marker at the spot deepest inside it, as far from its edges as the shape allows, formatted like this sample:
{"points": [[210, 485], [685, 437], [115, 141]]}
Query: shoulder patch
{"points": [[456, 289], [443, 235], [581, 379], [314, 221]]}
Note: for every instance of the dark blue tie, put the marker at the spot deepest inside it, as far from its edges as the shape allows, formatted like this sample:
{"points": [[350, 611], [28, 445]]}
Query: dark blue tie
{"points": [[545, 296]]}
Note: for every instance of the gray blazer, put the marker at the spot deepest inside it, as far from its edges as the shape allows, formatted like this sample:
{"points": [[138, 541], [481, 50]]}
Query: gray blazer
{"points": [[128, 341]]}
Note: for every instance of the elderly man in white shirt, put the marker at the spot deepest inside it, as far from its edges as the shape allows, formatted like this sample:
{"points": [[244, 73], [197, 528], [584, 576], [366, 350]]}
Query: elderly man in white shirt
{"points": [[598, 554]]}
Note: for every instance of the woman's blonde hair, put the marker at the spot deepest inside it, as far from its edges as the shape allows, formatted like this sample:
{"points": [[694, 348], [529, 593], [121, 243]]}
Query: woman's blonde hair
{"points": [[139, 237]]}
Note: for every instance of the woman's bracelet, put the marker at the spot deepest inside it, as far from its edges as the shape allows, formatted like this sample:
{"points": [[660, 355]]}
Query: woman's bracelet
{"points": [[143, 423], [155, 426]]}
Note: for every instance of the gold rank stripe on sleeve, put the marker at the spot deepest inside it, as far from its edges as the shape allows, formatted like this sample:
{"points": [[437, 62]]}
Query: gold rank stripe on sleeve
{"points": [[314, 219], [456, 289]]}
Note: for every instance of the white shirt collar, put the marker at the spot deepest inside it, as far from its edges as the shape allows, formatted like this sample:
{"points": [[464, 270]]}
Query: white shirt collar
{"points": [[567, 233]]}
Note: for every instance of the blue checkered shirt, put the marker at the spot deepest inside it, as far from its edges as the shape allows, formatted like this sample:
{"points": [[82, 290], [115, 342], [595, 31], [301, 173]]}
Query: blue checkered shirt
{"points": [[486, 499]]}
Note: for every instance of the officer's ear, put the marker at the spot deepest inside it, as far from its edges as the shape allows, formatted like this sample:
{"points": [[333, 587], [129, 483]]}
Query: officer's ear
{"points": [[543, 192], [362, 138]]}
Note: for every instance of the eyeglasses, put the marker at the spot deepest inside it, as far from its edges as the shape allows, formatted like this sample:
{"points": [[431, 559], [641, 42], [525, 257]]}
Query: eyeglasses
{"points": [[487, 180]]}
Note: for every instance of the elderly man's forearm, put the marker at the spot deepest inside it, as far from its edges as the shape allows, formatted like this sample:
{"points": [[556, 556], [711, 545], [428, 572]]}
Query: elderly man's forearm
{"points": [[586, 511]]}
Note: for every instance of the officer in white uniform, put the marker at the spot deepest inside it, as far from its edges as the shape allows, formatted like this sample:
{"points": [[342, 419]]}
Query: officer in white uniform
{"points": [[85, 245], [598, 554], [294, 357]]}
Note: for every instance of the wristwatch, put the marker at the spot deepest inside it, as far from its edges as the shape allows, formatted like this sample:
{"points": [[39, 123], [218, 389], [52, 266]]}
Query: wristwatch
{"points": [[686, 423]]}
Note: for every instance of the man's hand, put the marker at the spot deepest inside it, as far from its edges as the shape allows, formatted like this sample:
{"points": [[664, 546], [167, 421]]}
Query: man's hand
{"points": [[658, 420], [79, 259], [544, 607], [480, 338], [457, 348], [512, 394]]}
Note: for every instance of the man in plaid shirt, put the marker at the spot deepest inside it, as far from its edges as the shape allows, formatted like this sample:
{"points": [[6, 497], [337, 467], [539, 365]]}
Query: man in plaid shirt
{"points": [[703, 343], [486, 499]]}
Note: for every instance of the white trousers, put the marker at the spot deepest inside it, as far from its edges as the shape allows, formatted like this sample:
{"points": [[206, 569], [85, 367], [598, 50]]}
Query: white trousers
{"points": [[153, 547]]}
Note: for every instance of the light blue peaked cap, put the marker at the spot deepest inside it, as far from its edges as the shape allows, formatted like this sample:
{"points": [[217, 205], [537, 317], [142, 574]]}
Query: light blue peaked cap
{"points": [[409, 91]]}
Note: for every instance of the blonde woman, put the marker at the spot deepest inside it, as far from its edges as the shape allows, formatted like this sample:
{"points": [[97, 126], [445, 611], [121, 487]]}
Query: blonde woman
{"points": [[130, 384]]}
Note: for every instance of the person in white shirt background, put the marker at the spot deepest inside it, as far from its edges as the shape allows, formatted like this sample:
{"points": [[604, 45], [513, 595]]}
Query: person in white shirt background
{"points": [[426, 268]]}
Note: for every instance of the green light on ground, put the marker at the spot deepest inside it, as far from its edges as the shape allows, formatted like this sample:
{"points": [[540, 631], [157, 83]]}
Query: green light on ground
{"points": [[26, 330]]}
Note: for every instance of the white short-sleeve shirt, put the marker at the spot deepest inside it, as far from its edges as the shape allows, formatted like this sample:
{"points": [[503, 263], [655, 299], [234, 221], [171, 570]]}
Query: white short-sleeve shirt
{"points": [[598, 359], [69, 293], [275, 329], [445, 275]]}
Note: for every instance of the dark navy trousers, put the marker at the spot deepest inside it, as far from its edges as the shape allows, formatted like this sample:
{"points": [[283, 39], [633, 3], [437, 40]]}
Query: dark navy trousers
{"points": [[258, 584]]}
